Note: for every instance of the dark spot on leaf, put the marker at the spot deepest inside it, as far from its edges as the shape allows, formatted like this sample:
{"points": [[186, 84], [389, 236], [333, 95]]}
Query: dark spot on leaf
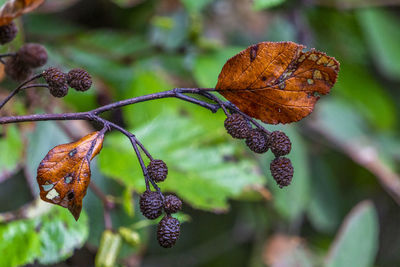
{"points": [[264, 78], [68, 179], [253, 52], [70, 195], [72, 152]]}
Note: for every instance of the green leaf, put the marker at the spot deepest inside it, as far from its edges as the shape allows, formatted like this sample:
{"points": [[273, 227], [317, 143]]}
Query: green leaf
{"points": [[11, 148], [356, 243], [146, 80], [265, 4], [19, 243], [198, 169], [48, 238], [383, 37], [60, 234]]}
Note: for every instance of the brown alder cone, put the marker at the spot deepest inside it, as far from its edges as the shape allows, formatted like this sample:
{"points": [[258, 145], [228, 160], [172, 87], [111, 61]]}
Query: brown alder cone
{"points": [[16, 69], [277, 82], [151, 204], [168, 231], [8, 33], [172, 204], [64, 173], [79, 79], [33, 55], [257, 141], [282, 171], [237, 126], [279, 143], [157, 170]]}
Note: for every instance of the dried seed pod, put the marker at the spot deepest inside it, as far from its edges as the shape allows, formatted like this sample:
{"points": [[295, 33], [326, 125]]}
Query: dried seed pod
{"points": [[237, 126], [79, 79], [8, 33], [55, 77], [168, 231], [151, 204], [282, 171], [172, 204], [17, 70], [33, 55], [157, 170], [257, 141], [59, 91], [279, 143]]}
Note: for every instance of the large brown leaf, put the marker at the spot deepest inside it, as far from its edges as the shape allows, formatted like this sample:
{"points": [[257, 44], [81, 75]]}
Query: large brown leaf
{"points": [[15, 8], [277, 82], [64, 173]]}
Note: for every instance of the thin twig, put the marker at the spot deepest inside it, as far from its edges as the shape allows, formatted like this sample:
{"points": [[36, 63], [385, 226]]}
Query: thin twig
{"points": [[8, 55], [16, 90], [45, 85], [132, 138], [90, 114], [177, 93], [139, 156], [217, 100]]}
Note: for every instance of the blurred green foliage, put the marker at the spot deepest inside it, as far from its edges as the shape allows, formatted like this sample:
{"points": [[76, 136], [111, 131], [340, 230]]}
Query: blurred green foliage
{"points": [[233, 209]]}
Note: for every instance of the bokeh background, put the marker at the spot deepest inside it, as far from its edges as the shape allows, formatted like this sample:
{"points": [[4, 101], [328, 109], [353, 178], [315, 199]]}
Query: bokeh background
{"points": [[342, 208]]}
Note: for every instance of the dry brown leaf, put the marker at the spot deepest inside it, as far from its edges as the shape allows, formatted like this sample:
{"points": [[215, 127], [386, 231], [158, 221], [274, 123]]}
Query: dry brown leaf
{"points": [[277, 82], [64, 173], [15, 8]]}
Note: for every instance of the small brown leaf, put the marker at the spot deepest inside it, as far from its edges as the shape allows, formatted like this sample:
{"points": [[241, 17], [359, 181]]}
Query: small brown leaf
{"points": [[15, 8], [277, 82], [64, 173]]}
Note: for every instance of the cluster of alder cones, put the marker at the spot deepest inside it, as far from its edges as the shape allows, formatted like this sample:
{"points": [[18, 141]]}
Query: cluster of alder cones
{"points": [[59, 81], [19, 66], [153, 203], [260, 141]]}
